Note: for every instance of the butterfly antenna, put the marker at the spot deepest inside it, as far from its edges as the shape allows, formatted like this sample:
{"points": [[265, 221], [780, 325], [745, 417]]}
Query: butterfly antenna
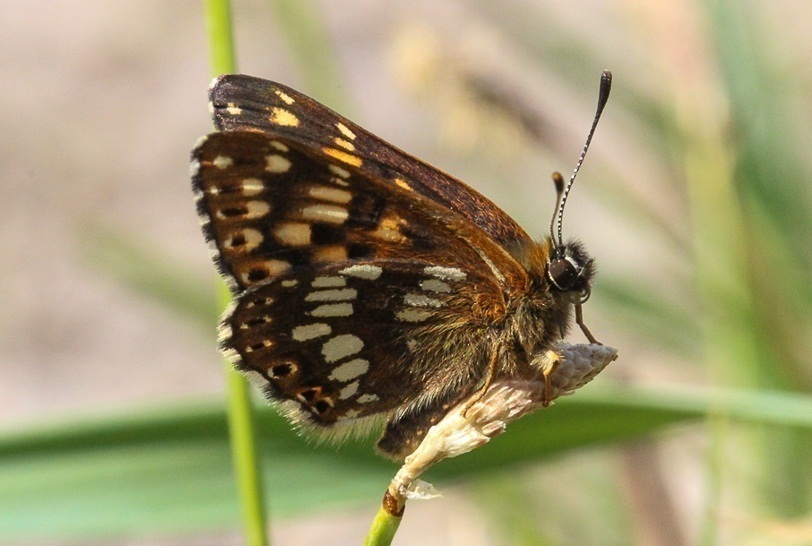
{"points": [[603, 96], [558, 180]]}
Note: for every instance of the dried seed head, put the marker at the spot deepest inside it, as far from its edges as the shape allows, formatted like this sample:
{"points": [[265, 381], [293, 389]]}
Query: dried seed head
{"points": [[473, 423]]}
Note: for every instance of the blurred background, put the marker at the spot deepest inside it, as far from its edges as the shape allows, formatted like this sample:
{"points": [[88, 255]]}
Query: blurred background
{"points": [[695, 200]]}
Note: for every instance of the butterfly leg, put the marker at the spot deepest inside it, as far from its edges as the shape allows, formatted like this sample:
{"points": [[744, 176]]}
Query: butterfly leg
{"points": [[549, 364], [579, 320]]}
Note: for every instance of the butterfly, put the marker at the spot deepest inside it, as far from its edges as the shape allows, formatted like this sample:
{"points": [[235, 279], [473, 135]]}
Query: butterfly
{"points": [[370, 288]]}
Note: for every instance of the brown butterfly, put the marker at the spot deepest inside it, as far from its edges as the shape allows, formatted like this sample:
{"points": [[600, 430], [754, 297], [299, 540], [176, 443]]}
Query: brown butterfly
{"points": [[367, 284]]}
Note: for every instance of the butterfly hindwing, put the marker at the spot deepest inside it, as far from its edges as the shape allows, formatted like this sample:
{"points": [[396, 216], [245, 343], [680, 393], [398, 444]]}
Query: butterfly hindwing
{"points": [[343, 342], [245, 102]]}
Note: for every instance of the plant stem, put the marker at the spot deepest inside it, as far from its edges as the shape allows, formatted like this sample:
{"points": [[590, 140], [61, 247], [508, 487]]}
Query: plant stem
{"points": [[383, 527], [241, 417]]}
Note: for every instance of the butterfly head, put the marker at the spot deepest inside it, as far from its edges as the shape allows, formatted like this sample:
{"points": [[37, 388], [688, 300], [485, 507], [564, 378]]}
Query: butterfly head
{"points": [[570, 269]]}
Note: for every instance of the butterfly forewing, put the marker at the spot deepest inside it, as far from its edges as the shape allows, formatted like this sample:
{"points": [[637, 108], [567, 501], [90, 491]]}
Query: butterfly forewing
{"points": [[245, 102], [269, 204]]}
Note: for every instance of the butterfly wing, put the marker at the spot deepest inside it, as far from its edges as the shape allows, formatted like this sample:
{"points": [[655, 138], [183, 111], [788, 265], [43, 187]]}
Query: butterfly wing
{"points": [[355, 296], [269, 204], [339, 344], [246, 102]]}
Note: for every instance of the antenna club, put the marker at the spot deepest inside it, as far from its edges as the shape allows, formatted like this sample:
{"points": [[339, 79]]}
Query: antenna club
{"points": [[558, 180], [603, 93]]}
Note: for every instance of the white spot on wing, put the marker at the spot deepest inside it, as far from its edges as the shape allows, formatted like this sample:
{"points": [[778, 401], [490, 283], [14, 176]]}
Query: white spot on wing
{"points": [[403, 184], [363, 271], [257, 209], [310, 331], [445, 273], [275, 163], [367, 398], [252, 186], [222, 162], [287, 99], [341, 346], [344, 157], [346, 144], [419, 300], [279, 146], [350, 370], [340, 172], [349, 390], [332, 214], [435, 285], [345, 131], [328, 282], [285, 118], [293, 234], [340, 294], [412, 315], [334, 195], [332, 310]]}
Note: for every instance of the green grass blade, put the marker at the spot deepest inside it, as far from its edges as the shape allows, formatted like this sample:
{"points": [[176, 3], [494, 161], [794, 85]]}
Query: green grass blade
{"points": [[168, 470], [241, 417]]}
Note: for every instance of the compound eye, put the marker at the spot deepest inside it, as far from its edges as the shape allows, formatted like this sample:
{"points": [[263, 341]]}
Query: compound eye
{"points": [[563, 273]]}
